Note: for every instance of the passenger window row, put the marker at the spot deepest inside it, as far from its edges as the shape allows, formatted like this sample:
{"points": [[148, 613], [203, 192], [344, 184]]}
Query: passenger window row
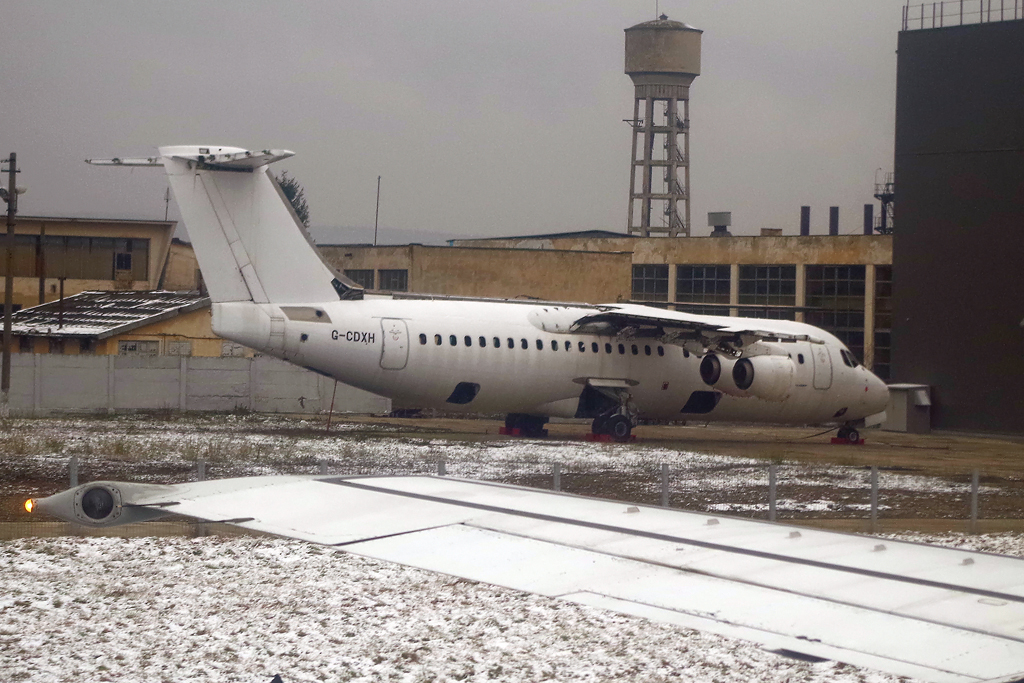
{"points": [[453, 340]]}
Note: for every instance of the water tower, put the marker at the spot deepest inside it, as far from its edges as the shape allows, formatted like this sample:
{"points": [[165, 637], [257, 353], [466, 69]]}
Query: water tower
{"points": [[662, 58]]}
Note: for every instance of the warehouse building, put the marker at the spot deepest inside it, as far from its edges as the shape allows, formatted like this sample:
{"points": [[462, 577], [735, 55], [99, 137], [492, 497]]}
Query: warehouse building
{"points": [[958, 290], [65, 256]]}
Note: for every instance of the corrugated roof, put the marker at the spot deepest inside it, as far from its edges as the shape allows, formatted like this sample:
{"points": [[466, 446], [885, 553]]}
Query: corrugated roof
{"points": [[103, 314], [578, 234]]}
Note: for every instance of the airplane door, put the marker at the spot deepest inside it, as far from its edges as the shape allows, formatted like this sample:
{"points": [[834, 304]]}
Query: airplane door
{"points": [[822, 361], [395, 349]]}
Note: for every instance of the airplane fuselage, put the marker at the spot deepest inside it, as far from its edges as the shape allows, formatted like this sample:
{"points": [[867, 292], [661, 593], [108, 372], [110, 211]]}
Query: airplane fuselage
{"points": [[521, 358]]}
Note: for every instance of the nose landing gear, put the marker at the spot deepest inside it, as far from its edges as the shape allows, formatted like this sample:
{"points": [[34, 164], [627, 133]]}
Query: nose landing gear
{"points": [[847, 434]]}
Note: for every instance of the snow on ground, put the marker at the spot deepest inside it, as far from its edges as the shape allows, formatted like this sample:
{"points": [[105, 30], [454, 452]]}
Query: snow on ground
{"points": [[245, 608], [144, 448]]}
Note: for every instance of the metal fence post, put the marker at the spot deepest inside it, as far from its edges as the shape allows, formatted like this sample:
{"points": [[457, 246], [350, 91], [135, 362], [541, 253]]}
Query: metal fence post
{"points": [[664, 485], [323, 467], [73, 470], [556, 477], [201, 470], [440, 469], [874, 499], [975, 478], [773, 473]]}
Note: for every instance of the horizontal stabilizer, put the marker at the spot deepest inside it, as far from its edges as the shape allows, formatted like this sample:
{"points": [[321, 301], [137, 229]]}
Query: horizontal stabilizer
{"points": [[118, 161], [225, 158]]}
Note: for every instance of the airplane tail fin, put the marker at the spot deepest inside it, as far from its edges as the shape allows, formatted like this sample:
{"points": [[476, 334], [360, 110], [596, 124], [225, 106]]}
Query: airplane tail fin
{"points": [[249, 243]]}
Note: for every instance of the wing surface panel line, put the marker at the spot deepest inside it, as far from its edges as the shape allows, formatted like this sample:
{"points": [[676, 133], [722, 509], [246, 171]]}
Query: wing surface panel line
{"points": [[711, 575], [368, 539], [710, 545]]}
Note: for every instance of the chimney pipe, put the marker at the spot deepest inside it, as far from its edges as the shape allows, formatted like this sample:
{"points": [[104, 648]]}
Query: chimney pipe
{"points": [[869, 219], [805, 221], [833, 220]]}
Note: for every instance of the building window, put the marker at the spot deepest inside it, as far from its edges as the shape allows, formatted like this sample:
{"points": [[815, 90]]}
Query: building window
{"points": [[25, 344], [80, 258], [56, 346], [86, 346], [362, 277], [883, 321], [650, 282], [122, 262], [768, 287], [703, 284], [394, 280], [131, 347], [178, 347], [835, 297], [228, 349]]}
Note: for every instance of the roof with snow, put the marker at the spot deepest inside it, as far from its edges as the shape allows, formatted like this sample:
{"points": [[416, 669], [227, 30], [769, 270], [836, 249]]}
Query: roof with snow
{"points": [[104, 314], [578, 234]]}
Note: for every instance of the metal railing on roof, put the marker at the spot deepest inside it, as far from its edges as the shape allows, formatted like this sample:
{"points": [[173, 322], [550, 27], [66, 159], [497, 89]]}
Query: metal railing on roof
{"points": [[960, 13]]}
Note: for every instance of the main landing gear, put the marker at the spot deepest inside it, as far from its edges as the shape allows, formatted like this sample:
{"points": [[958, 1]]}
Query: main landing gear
{"points": [[618, 426], [527, 425]]}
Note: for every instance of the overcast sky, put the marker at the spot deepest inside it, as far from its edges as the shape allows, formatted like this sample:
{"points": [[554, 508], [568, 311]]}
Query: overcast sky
{"points": [[484, 118]]}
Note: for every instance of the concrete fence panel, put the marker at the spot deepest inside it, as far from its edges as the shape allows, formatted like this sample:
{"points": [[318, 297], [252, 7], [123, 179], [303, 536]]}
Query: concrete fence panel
{"points": [[43, 384], [280, 387], [73, 383], [23, 383], [146, 383], [346, 396], [218, 384]]}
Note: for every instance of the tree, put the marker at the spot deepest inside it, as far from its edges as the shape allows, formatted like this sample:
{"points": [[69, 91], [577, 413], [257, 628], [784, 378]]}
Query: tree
{"points": [[296, 195]]}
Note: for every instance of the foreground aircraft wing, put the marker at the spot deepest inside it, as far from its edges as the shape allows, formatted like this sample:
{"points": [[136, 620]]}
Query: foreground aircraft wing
{"points": [[687, 329], [937, 614]]}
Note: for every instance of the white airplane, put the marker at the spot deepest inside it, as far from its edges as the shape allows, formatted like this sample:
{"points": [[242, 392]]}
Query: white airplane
{"points": [[611, 363]]}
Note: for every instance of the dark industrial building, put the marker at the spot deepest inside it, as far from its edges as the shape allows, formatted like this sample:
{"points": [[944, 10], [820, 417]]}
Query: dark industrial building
{"points": [[958, 243]]}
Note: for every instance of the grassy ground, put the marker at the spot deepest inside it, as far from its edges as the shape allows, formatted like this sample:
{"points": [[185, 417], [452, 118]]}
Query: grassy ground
{"points": [[166, 448]]}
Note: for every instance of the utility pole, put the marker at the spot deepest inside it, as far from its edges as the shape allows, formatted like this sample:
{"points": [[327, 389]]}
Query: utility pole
{"points": [[376, 215], [10, 195]]}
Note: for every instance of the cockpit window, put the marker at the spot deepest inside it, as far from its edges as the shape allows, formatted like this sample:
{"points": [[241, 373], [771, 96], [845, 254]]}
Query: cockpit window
{"points": [[848, 358]]}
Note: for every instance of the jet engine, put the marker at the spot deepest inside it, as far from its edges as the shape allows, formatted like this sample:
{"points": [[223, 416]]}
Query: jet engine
{"points": [[96, 504], [717, 372], [766, 377]]}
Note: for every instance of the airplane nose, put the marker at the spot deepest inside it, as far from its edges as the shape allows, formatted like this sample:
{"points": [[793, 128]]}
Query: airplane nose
{"points": [[878, 393]]}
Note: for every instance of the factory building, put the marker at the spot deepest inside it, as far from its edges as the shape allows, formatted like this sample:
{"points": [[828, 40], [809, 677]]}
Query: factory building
{"points": [[54, 256], [958, 289]]}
